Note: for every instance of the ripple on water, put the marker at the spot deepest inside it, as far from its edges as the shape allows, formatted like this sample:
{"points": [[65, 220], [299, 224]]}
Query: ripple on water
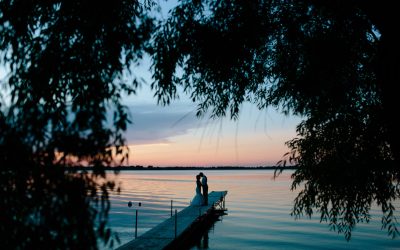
{"points": [[258, 212]]}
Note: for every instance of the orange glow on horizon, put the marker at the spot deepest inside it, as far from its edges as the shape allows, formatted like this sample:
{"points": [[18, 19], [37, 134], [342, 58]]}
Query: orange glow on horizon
{"points": [[189, 150]]}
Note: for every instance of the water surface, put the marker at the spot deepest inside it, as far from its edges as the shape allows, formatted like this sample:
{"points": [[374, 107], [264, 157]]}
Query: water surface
{"points": [[258, 211]]}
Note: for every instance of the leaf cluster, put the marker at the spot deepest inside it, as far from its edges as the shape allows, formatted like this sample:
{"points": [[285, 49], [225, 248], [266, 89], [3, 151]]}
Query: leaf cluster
{"points": [[65, 63]]}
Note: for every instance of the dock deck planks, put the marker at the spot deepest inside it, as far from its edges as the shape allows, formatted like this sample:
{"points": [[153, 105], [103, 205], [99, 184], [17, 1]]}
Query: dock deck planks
{"points": [[164, 233]]}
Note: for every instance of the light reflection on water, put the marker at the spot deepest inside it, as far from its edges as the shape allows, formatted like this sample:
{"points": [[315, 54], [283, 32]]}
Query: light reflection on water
{"points": [[258, 211]]}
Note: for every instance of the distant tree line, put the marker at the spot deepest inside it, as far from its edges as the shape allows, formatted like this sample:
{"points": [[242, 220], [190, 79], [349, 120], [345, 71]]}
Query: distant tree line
{"points": [[151, 167]]}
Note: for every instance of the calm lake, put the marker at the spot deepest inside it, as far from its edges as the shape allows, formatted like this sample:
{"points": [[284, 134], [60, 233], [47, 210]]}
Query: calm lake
{"points": [[258, 215]]}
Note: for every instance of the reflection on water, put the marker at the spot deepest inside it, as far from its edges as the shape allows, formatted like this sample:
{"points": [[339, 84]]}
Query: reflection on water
{"points": [[198, 237], [258, 217], [344, 195]]}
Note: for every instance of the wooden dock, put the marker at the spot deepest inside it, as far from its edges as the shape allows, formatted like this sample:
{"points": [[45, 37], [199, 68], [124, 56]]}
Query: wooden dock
{"points": [[177, 227]]}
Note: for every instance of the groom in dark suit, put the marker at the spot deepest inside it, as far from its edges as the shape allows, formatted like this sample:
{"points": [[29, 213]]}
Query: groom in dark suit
{"points": [[205, 188]]}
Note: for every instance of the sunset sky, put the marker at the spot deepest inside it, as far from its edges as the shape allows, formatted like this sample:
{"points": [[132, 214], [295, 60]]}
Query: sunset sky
{"points": [[171, 136], [174, 136]]}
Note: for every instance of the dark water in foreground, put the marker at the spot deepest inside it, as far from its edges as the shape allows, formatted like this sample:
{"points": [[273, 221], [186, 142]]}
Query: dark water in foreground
{"points": [[258, 211]]}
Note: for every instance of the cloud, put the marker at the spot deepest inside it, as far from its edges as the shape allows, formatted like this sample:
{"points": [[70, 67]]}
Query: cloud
{"points": [[156, 124]]}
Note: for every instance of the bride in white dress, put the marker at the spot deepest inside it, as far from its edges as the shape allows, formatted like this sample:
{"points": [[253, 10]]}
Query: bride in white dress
{"points": [[198, 199]]}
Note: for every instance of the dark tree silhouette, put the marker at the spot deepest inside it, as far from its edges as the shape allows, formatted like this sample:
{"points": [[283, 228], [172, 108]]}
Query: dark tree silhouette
{"points": [[335, 63], [65, 62]]}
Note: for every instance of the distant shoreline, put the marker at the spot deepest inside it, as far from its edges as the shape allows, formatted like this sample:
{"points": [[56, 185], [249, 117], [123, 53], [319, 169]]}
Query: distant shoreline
{"points": [[141, 168]]}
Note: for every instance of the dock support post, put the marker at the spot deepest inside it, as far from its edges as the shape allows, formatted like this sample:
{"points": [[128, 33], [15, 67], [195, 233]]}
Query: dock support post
{"points": [[171, 208], [130, 204], [176, 222], [136, 223]]}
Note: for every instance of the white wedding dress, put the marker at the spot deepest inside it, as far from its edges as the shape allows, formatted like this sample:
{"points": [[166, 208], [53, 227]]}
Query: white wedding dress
{"points": [[198, 199]]}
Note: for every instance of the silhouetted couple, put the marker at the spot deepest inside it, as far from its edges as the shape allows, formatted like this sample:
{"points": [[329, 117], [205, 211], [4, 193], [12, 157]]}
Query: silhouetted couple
{"points": [[201, 199]]}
